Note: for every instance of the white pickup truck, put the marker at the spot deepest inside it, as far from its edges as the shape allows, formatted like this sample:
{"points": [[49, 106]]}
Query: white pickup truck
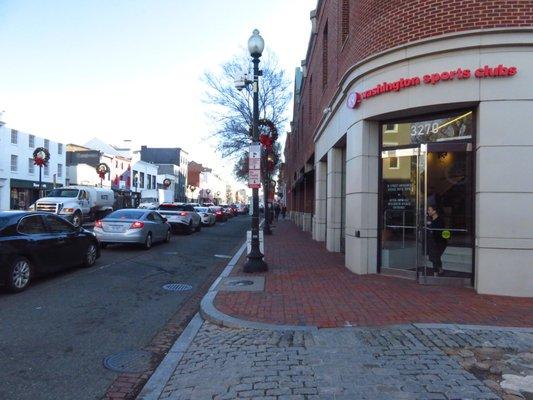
{"points": [[77, 203]]}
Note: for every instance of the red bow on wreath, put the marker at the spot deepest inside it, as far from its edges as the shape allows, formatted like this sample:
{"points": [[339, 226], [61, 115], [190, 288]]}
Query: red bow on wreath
{"points": [[41, 156], [266, 140], [39, 161]]}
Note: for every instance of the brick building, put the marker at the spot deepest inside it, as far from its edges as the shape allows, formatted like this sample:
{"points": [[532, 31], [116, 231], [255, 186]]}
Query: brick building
{"points": [[405, 113]]}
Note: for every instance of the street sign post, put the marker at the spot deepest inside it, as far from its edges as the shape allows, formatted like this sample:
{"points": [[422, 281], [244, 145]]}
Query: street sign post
{"points": [[254, 167]]}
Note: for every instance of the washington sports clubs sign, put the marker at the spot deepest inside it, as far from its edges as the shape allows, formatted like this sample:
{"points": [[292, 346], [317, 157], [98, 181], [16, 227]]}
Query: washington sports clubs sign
{"points": [[355, 99]]}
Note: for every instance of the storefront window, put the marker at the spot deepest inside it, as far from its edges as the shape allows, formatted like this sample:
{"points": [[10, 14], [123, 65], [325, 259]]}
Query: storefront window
{"points": [[456, 127]]}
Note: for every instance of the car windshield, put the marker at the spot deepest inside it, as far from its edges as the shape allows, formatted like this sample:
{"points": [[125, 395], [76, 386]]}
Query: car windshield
{"points": [[171, 207], [126, 214], [63, 193], [201, 209]]}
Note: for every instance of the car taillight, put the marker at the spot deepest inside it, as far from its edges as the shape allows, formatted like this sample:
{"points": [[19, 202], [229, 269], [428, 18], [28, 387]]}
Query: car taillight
{"points": [[183, 214], [219, 212], [137, 225], [98, 224]]}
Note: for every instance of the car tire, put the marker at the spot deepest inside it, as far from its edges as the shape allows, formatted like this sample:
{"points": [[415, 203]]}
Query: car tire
{"points": [[90, 255], [190, 229], [168, 235], [19, 275], [148, 242], [199, 227], [77, 219]]}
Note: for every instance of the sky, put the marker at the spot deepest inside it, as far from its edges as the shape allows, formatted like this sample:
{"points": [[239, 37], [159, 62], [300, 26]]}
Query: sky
{"points": [[71, 70]]}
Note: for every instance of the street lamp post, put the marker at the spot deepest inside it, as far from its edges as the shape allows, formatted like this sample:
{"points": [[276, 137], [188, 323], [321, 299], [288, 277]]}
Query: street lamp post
{"points": [[255, 262]]}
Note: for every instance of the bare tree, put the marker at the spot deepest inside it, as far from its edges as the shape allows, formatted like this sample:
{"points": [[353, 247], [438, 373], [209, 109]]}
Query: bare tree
{"points": [[231, 109]]}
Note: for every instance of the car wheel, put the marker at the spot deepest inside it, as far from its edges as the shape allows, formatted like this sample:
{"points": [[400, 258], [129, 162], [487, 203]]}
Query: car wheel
{"points": [[90, 256], [199, 227], [19, 275], [77, 219], [148, 242], [167, 237], [190, 228]]}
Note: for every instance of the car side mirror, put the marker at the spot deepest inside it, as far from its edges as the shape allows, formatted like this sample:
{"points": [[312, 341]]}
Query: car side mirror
{"points": [[165, 219]]}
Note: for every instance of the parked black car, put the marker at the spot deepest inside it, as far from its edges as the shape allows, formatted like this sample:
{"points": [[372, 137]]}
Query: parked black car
{"points": [[33, 243]]}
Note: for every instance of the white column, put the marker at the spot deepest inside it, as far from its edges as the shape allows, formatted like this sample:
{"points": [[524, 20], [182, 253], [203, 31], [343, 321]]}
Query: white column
{"points": [[4, 194], [319, 229], [362, 197], [334, 203], [504, 195]]}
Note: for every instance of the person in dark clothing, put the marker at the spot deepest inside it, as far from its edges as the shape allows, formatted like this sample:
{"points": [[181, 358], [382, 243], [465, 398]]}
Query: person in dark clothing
{"points": [[436, 242], [277, 210], [283, 211]]}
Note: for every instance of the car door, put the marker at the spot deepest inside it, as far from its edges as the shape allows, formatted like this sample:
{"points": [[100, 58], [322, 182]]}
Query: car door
{"points": [[153, 226], [41, 246], [161, 225], [70, 246], [84, 202]]}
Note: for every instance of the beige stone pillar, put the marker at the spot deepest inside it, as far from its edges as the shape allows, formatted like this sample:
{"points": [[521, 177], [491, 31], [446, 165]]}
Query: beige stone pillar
{"points": [[319, 228]]}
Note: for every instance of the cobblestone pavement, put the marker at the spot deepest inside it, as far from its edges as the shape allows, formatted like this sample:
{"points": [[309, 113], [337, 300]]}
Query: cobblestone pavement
{"points": [[402, 362]]}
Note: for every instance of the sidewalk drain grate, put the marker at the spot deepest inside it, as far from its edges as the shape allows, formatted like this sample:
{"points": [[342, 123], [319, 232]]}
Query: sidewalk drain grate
{"points": [[241, 283], [177, 287], [129, 361]]}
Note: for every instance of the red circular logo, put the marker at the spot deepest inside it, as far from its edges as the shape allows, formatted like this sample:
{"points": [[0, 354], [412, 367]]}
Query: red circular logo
{"points": [[354, 100]]}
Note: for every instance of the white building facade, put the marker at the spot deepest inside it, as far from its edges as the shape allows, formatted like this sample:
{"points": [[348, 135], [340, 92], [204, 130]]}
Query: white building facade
{"points": [[145, 181], [19, 177]]}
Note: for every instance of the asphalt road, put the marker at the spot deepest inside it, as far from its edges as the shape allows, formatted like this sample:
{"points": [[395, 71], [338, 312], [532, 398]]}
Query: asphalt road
{"points": [[55, 335]]}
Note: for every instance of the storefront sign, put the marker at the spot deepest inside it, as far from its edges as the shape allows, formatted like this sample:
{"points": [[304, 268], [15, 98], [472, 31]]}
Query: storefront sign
{"points": [[355, 99]]}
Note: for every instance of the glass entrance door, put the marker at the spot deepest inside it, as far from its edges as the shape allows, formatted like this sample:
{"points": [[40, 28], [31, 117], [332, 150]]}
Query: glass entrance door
{"points": [[399, 205], [426, 211], [447, 207]]}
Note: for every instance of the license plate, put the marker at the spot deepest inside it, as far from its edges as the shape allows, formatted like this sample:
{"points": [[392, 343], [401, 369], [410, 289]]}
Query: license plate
{"points": [[115, 228]]}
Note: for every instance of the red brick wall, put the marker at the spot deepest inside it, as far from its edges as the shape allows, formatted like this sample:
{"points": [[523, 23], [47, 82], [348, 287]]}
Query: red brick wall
{"points": [[378, 25], [375, 26]]}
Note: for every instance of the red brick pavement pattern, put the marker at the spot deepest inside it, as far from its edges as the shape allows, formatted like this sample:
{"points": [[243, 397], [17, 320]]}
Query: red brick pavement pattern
{"points": [[307, 285]]}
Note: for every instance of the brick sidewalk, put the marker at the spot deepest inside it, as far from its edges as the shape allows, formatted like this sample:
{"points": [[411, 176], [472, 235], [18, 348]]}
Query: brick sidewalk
{"points": [[307, 285]]}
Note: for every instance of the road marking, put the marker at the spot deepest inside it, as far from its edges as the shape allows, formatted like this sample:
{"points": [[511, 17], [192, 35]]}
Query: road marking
{"points": [[222, 256]]}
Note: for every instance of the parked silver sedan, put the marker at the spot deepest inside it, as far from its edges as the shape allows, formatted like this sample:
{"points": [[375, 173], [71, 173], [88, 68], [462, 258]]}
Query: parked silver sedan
{"points": [[139, 226]]}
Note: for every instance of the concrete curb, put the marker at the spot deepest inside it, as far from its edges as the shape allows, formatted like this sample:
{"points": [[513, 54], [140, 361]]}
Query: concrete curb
{"points": [[459, 327], [155, 385]]}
